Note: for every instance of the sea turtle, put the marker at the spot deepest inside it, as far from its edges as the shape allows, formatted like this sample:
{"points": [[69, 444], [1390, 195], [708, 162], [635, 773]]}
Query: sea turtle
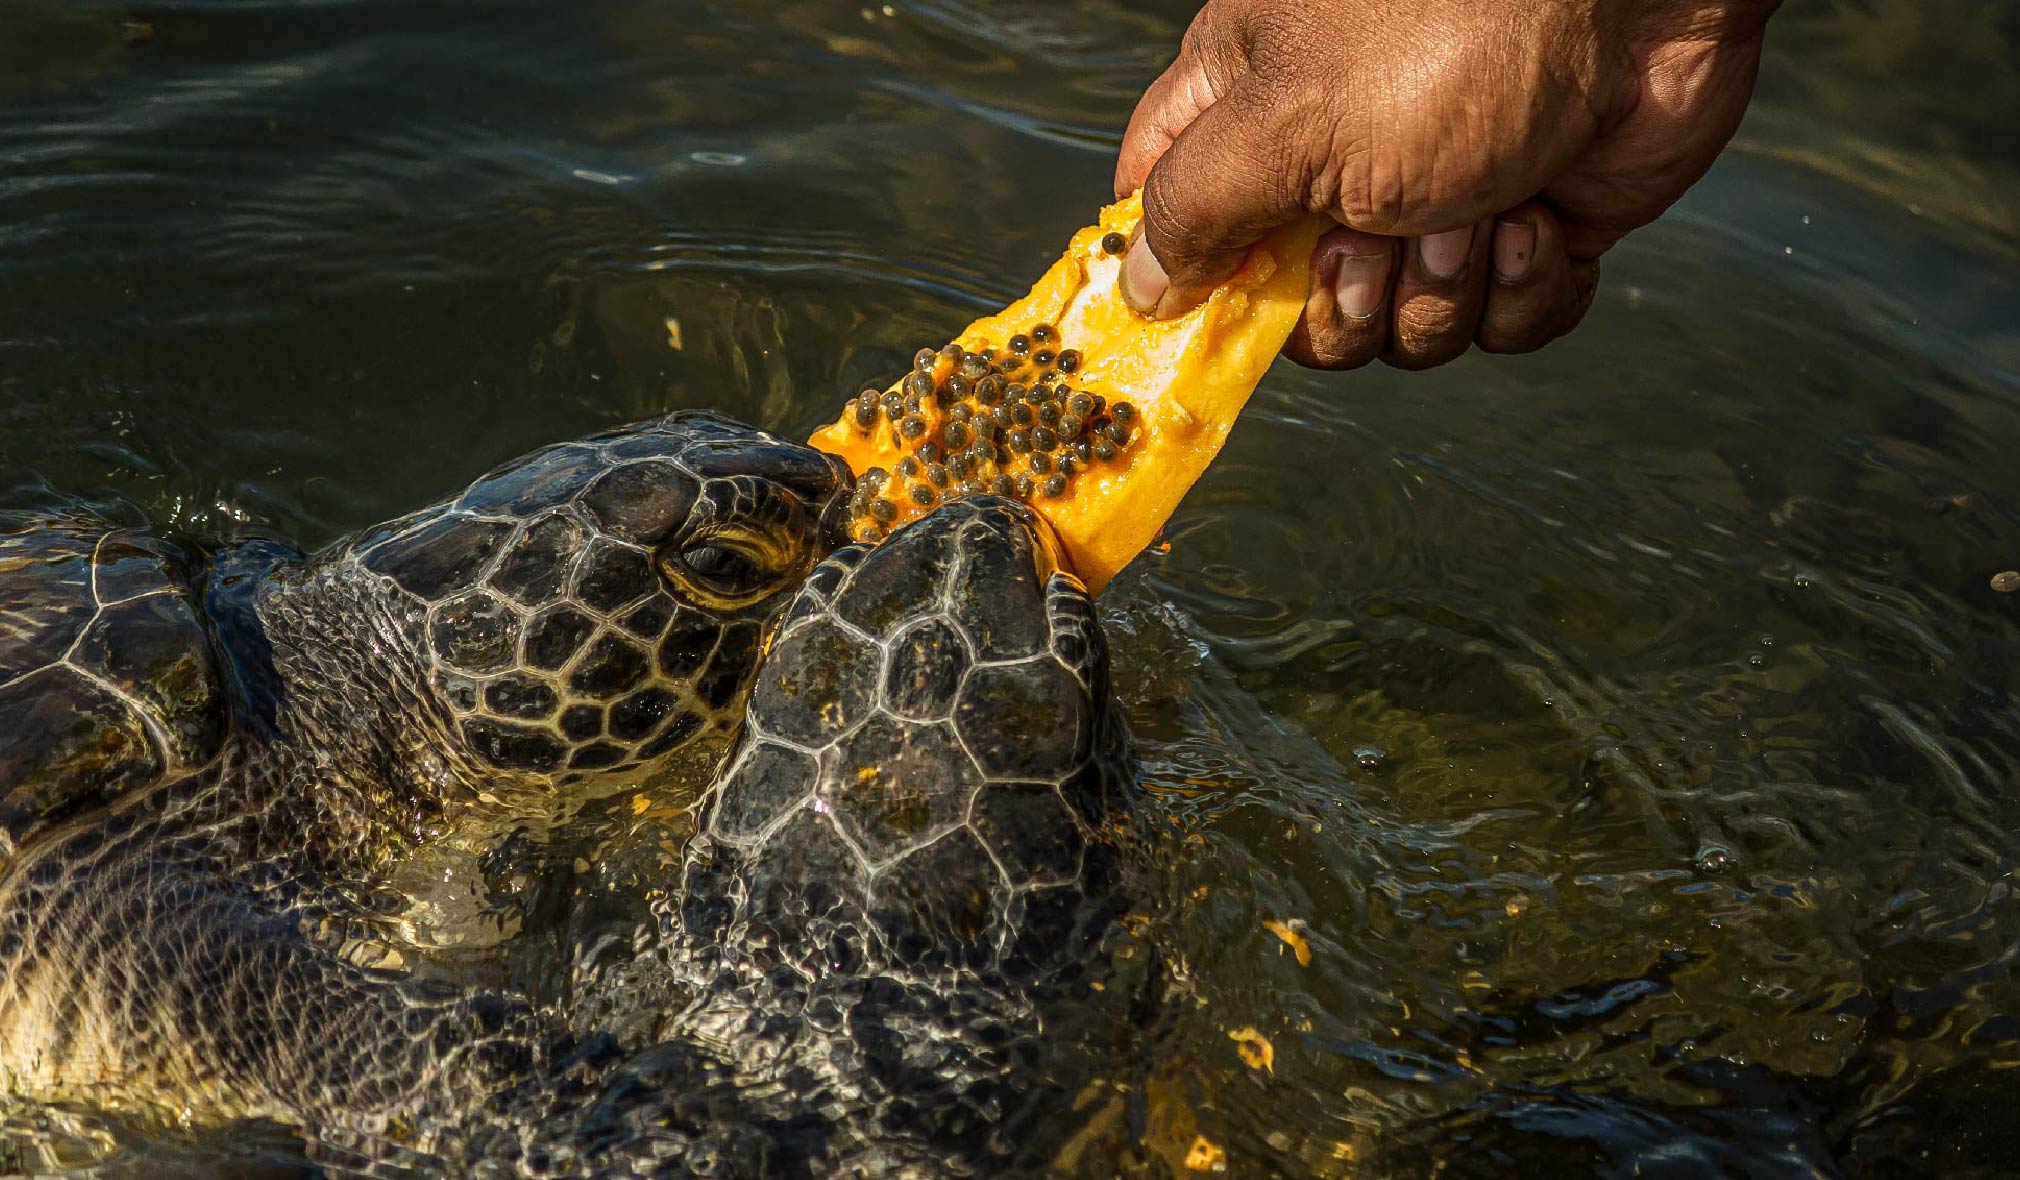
{"points": [[905, 862]]}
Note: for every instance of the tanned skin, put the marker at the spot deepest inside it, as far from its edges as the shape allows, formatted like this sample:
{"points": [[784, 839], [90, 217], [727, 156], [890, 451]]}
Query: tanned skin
{"points": [[1478, 156]]}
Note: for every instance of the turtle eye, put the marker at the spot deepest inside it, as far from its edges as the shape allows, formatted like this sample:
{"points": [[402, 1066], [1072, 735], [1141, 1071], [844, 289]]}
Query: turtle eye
{"points": [[721, 566], [725, 569]]}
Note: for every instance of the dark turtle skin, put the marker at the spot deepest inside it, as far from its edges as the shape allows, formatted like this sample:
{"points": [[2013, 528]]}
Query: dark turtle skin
{"points": [[204, 749], [889, 918]]}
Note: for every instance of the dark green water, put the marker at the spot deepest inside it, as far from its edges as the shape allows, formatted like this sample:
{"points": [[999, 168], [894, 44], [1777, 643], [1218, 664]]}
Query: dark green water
{"points": [[1630, 730]]}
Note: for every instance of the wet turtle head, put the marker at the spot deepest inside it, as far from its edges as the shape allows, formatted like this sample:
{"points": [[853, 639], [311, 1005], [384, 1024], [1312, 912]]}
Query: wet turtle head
{"points": [[930, 754], [904, 882], [586, 609]]}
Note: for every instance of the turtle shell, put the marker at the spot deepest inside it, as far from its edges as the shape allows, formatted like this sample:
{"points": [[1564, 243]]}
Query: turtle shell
{"points": [[106, 682]]}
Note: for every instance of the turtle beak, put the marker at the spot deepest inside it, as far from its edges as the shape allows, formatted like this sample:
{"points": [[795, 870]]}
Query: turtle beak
{"points": [[833, 532]]}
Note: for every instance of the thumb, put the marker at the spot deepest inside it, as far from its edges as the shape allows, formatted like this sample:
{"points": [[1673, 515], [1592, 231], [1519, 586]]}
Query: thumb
{"points": [[1180, 94], [1222, 184]]}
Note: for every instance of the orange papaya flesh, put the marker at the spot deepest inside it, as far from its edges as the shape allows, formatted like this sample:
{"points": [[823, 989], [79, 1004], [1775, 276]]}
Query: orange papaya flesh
{"points": [[1068, 399]]}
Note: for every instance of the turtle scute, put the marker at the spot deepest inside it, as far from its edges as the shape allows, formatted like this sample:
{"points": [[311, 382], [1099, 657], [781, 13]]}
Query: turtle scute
{"points": [[106, 684]]}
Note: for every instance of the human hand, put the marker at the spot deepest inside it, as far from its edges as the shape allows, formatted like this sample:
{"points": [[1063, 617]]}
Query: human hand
{"points": [[1478, 155]]}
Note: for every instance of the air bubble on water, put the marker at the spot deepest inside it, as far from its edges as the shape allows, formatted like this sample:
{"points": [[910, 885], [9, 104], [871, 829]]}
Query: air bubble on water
{"points": [[1801, 581], [1767, 641], [1756, 660], [1714, 859], [1370, 757]]}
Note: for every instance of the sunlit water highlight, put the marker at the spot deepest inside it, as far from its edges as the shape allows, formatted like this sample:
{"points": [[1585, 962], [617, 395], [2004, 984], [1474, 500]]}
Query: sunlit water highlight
{"points": [[1627, 734]]}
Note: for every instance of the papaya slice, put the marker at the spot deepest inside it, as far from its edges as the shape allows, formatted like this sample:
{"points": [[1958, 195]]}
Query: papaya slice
{"points": [[1068, 399]]}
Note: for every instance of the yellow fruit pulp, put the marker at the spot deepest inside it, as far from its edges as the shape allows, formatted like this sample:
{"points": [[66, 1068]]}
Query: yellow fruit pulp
{"points": [[1183, 381]]}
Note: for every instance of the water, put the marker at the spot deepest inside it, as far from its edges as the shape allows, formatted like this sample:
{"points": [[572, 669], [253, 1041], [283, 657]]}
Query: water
{"points": [[1628, 734]]}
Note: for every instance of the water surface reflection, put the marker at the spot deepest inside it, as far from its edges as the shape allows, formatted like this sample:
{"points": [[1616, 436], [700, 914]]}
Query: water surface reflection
{"points": [[1628, 732]]}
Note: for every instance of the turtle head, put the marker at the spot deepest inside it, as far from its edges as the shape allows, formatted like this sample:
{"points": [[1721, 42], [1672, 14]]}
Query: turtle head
{"points": [[586, 609], [915, 850], [930, 756]]}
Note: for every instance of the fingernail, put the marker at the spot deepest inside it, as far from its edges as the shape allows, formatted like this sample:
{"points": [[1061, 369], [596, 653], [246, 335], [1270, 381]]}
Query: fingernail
{"points": [[1143, 279], [1514, 249], [1362, 284], [1443, 255]]}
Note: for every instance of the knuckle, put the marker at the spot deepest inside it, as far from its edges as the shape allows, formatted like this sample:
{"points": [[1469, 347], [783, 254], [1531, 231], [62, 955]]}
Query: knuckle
{"points": [[1343, 344], [1504, 337], [1330, 156], [1373, 189], [1284, 155], [1285, 96], [1525, 321], [1420, 348], [1430, 324], [1277, 38], [1219, 42], [1342, 361]]}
